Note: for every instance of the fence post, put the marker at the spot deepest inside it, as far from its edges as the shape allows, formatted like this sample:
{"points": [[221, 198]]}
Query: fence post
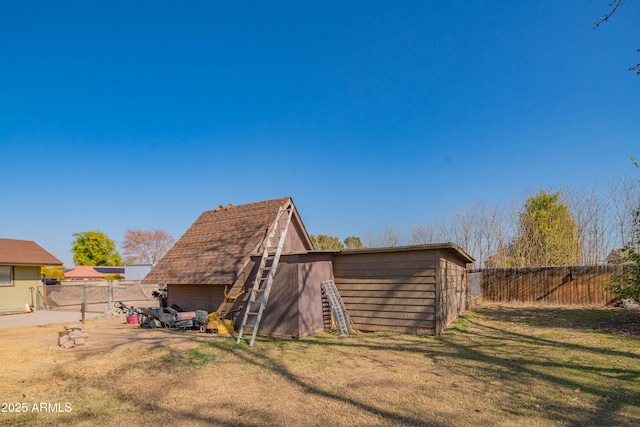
{"points": [[44, 297], [109, 294], [84, 298]]}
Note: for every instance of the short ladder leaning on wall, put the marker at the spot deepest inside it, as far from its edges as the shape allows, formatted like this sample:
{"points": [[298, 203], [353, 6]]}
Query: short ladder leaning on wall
{"points": [[339, 312], [259, 293]]}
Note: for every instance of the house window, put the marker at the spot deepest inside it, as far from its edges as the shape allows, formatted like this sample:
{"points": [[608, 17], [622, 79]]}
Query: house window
{"points": [[5, 275]]}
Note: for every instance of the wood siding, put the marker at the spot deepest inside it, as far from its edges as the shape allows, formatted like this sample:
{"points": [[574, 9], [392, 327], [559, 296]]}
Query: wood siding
{"points": [[453, 290], [294, 309], [389, 291], [312, 270], [296, 240], [280, 318], [195, 297], [552, 285]]}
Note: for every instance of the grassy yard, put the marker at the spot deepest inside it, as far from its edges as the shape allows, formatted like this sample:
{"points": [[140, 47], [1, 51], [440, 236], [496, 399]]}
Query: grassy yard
{"points": [[497, 366]]}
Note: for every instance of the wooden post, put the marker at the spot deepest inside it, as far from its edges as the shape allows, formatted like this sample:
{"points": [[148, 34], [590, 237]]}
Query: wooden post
{"points": [[44, 296], [84, 299], [109, 294], [82, 310]]}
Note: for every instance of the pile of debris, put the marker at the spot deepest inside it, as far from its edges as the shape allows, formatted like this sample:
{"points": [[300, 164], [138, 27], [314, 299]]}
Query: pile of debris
{"points": [[72, 336]]}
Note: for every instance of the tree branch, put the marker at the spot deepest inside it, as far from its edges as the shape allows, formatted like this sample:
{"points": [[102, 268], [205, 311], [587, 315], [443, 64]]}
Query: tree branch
{"points": [[614, 5]]}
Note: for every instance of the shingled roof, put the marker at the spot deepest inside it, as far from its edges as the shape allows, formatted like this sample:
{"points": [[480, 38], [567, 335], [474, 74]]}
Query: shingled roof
{"points": [[25, 252], [217, 247]]}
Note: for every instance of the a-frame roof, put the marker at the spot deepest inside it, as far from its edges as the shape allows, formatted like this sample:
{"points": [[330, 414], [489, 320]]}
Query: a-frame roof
{"points": [[25, 252], [219, 244]]}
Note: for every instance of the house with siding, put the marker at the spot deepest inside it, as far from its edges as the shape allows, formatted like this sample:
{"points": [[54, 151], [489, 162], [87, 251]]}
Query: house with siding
{"points": [[20, 264], [417, 289]]}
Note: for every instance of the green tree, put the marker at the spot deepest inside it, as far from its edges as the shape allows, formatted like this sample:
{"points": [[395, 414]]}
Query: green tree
{"points": [[56, 272], [94, 248], [353, 242], [322, 242], [547, 233]]}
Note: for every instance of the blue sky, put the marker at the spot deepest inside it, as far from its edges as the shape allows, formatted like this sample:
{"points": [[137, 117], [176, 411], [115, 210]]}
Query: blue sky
{"points": [[118, 115]]}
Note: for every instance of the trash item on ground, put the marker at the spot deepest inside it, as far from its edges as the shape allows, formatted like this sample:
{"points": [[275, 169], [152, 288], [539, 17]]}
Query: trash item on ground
{"points": [[127, 310], [628, 303], [175, 317], [72, 336], [160, 317]]}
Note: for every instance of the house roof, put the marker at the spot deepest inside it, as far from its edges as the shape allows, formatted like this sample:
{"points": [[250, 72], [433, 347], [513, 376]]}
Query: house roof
{"points": [[25, 252], [92, 272], [217, 247]]}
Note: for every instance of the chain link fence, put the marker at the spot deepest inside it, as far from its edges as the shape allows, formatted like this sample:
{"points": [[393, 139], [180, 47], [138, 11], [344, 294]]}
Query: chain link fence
{"points": [[98, 296]]}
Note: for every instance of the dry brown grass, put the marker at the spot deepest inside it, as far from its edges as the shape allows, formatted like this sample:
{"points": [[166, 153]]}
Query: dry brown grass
{"points": [[500, 366]]}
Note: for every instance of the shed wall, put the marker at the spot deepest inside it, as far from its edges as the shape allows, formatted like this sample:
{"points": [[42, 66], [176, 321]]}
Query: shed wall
{"points": [[312, 270], [453, 285], [195, 297], [294, 309], [294, 240], [280, 317], [389, 291]]}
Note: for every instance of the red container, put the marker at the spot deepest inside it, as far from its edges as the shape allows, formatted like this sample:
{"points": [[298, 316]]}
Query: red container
{"points": [[132, 320]]}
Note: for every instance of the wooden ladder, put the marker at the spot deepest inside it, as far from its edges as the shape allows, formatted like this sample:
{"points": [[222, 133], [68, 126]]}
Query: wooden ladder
{"points": [[338, 310], [259, 293]]}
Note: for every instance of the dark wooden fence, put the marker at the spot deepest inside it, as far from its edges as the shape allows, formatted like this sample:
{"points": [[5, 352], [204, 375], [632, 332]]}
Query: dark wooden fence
{"points": [[551, 285]]}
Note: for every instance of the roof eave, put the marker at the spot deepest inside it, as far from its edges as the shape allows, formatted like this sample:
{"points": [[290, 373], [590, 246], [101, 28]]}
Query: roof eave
{"points": [[434, 246]]}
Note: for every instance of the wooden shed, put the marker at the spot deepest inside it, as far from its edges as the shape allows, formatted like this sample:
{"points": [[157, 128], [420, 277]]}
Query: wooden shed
{"points": [[222, 250], [413, 289], [417, 289]]}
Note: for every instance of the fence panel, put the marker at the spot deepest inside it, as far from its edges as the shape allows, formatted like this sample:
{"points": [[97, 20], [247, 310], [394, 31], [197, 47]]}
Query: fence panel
{"points": [[97, 294], [581, 285]]}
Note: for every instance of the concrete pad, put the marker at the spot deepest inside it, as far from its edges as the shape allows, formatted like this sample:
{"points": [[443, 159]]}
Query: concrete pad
{"points": [[42, 317]]}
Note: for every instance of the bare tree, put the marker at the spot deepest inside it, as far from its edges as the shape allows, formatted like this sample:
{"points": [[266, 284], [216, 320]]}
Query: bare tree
{"points": [[614, 5], [480, 229], [371, 239], [591, 213], [493, 234], [463, 228], [613, 8], [492, 231], [422, 234], [141, 246], [624, 200], [390, 236]]}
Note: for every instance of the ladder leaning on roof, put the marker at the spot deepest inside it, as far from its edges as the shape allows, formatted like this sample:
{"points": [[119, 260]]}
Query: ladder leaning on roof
{"points": [[259, 293]]}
